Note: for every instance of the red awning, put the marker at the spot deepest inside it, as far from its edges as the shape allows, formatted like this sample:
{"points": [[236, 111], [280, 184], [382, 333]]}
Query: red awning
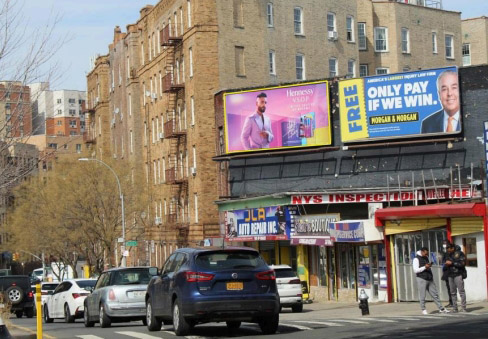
{"points": [[430, 211]]}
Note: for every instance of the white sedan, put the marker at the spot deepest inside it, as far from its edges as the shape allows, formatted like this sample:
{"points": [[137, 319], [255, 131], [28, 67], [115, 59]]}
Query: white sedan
{"points": [[66, 302]]}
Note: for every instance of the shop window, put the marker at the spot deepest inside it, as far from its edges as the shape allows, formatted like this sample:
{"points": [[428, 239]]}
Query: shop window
{"points": [[323, 266], [469, 245]]}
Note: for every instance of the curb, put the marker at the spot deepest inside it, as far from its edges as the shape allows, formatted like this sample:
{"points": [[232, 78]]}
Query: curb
{"points": [[32, 333]]}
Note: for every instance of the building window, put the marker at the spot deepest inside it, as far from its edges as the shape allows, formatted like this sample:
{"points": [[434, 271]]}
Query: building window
{"points": [[191, 61], [331, 26], [58, 101], [405, 40], [351, 68], [238, 14], [78, 148], [382, 70], [449, 47], [194, 156], [332, 67], [130, 104], [192, 110], [363, 70], [300, 66], [131, 140], [381, 39], [350, 28], [272, 65], [142, 53], [60, 123], [298, 20], [434, 42], [469, 245], [466, 54], [362, 36], [72, 101], [72, 112], [153, 132], [188, 8], [239, 60], [196, 208], [270, 16]]}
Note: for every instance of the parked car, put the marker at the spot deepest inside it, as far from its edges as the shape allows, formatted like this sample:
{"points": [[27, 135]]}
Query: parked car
{"points": [[118, 296], [67, 300], [17, 290], [45, 288], [200, 285], [289, 287]]}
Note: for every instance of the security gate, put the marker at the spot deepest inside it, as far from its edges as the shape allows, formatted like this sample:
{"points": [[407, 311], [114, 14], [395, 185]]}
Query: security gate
{"points": [[406, 247]]}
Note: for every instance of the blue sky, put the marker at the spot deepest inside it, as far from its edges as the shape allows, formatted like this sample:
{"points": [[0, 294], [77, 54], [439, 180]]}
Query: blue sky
{"points": [[89, 25]]}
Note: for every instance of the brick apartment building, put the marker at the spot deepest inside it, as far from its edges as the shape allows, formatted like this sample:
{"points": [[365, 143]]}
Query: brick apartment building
{"points": [[475, 41], [15, 110]]}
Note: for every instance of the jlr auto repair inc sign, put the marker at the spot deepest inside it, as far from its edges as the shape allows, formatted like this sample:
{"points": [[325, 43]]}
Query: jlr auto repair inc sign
{"points": [[340, 198]]}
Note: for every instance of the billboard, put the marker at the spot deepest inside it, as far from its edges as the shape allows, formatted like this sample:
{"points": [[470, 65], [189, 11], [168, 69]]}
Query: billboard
{"points": [[313, 230], [277, 117], [258, 224], [400, 105]]}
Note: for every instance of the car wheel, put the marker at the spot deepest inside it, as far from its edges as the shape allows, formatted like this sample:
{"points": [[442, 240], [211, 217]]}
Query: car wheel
{"points": [[19, 314], [181, 326], [47, 319], [29, 312], [67, 315], [14, 294], [104, 318], [297, 308], [233, 325], [152, 322], [269, 325], [86, 318]]}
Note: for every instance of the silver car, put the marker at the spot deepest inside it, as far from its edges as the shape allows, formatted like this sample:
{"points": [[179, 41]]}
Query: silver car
{"points": [[119, 295]]}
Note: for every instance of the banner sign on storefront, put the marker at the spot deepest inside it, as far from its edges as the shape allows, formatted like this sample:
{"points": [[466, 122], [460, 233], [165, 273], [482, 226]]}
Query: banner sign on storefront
{"points": [[258, 224], [400, 105], [363, 276], [313, 230], [347, 231], [340, 198], [277, 117]]}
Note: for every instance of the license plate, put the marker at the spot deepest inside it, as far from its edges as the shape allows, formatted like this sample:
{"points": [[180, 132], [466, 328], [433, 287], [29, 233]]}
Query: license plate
{"points": [[235, 286], [136, 294]]}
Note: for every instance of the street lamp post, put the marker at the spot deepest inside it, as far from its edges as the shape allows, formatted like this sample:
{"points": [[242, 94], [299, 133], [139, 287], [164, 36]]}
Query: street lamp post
{"points": [[124, 260]]}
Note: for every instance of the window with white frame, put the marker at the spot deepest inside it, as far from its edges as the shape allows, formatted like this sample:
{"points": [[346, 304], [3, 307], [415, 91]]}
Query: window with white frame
{"points": [[362, 36], [188, 9], [155, 170], [449, 46], [131, 142], [196, 207], [333, 67], [183, 68], [194, 149], [298, 20], [164, 171], [145, 133], [153, 131], [405, 40], [149, 47], [270, 14], [159, 171], [192, 111], [142, 53], [434, 42], [191, 61], [381, 39], [300, 66], [466, 54], [176, 23], [331, 25], [382, 70], [130, 104], [272, 65], [128, 67], [351, 68], [182, 26], [154, 44], [350, 28], [363, 70]]}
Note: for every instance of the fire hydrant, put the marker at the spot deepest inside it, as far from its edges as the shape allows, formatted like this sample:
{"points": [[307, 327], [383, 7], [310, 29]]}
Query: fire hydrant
{"points": [[363, 303]]}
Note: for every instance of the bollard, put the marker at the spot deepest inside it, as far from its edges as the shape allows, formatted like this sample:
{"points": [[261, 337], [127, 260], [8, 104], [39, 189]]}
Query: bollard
{"points": [[363, 303], [38, 311]]}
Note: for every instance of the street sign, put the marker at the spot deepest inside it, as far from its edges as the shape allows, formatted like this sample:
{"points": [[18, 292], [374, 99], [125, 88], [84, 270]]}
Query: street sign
{"points": [[120, 239], [131, 243]]}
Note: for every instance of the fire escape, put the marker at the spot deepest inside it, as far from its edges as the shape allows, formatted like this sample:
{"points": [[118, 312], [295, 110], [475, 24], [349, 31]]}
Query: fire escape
{"points": [[175, 133]]}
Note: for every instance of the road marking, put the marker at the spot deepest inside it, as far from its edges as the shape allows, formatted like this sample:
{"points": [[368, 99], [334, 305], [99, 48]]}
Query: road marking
{"points": [[88, 336], [379, 320], [303, 328], [417, 317], [349, 321], [407, 319], [318, 322], [137, 335]]}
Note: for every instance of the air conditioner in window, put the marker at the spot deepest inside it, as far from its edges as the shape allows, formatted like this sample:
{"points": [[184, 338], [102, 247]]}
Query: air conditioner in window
{"points": [[333, 35], [193, 171], [161, 135], [154, 96], [148, 94], [158, 221]]}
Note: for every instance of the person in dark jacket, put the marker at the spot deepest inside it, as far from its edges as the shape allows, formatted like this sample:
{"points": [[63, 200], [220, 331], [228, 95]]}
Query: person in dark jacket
{"points": [[445, 271], [425, 280], [456, 265]]}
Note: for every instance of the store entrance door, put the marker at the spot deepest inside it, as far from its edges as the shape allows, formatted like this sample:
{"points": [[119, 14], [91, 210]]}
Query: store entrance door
{"points": [[406, 247]]}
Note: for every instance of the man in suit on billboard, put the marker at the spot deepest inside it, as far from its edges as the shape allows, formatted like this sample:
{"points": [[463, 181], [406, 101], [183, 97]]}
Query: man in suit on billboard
{"points": [[448, 119], [256, 132]]}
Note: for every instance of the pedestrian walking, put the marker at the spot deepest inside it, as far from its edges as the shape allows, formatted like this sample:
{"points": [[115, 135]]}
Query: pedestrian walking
{"points": [[445, 270], [456, 267], [425, 280]]}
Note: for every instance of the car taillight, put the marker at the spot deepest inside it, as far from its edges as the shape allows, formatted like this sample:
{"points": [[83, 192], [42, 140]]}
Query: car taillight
{"points": [[77, 295], [294, 281], [198, 276], [111, 295], [266, 275], [30, 294]]}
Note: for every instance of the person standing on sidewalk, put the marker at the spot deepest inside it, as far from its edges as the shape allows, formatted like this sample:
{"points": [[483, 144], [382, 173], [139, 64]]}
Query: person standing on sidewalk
{"points": [[425, 280], [456, 265], [445, 270]]}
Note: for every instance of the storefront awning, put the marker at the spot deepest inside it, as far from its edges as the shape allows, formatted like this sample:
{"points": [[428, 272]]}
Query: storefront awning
{"points": [[430, 211]]}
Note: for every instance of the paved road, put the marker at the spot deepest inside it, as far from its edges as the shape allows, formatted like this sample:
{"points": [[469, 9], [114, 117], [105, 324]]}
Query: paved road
{"points": [[471, 325]]}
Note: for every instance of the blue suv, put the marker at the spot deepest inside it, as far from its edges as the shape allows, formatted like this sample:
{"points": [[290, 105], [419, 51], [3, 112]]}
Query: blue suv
{"points": [[200, 285]]}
